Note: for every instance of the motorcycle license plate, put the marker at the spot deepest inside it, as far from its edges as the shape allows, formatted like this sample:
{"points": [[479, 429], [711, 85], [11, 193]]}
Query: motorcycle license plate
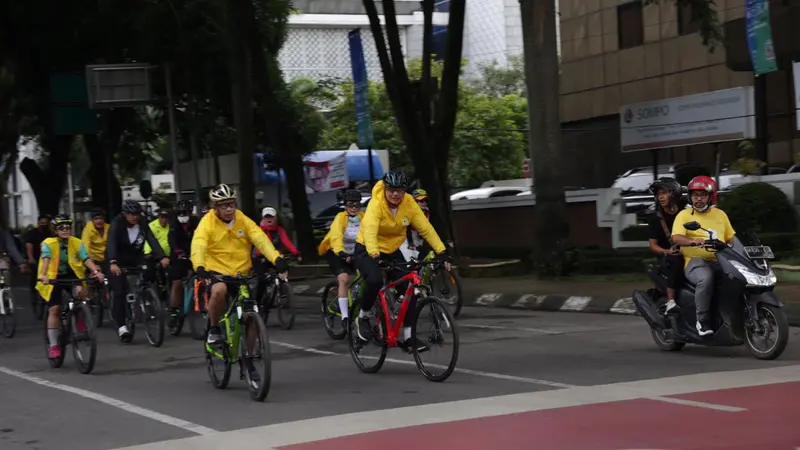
{"points": [[759, 252]]}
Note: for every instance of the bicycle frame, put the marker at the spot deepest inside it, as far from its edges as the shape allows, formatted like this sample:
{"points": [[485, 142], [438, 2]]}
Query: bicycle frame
{"points": [[394, 329], [195, 296], [231, 320], [4, 291]]}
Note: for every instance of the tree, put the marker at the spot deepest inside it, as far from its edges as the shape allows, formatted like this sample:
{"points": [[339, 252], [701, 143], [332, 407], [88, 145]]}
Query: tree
{"points": [[425, 111], [542, 80], [497, 80]]}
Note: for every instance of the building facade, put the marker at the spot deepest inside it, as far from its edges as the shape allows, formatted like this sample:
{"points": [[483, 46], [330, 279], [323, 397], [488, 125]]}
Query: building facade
{"points": [[622, 52]]}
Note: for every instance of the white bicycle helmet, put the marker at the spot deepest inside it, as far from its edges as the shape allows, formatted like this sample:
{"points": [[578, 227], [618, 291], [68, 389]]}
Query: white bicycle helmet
{"points": [[221, 193]]}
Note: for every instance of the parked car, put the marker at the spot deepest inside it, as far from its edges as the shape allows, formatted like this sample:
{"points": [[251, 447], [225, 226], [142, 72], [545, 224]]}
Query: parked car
{"points": [[489, 192]]}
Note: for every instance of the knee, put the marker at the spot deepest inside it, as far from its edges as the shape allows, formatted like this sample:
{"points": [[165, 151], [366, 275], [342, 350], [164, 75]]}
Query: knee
{"points": [[218, 291], [705, 277], [343, 278], [54, 311]]}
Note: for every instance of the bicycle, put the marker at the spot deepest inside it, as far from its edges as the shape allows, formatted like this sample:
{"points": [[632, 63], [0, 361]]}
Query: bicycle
{"points": [[433, 272], [242, 312], [98, 295], [278, 295], [195, 306], [143, 306], [74, 313], [389, 318], [8, 323], [330, 308]]}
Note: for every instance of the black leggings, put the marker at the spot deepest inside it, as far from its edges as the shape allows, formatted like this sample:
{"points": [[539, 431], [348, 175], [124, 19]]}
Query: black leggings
{"points": [[373, 278], [674, 269]]}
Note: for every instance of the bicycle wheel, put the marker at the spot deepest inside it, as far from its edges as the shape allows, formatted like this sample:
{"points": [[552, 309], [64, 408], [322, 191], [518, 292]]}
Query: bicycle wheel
{"points": [[83, 338], [442, 321], [99, 294], [256, 364], [284, 303], [330, 312], [218, 362], [8, 324], [37, 305], [447, 287], [378, 341], [152, 314]]}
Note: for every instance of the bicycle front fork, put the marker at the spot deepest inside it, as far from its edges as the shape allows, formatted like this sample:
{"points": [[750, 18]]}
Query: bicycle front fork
{"points": [[4, 297]]}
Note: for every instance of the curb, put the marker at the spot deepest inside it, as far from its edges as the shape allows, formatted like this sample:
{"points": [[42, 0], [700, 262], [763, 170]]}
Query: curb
{"points": [[533, 302]]}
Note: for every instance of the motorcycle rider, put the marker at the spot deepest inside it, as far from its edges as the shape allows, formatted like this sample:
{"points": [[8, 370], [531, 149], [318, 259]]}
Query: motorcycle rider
{"points": [[667, 193], [698, 261]]}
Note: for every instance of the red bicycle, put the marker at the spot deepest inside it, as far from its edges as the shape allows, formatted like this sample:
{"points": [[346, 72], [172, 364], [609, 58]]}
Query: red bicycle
{"points": [[388, 316]]}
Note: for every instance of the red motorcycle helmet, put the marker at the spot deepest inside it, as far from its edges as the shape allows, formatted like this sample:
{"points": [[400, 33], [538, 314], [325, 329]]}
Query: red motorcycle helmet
{"points": [[706, 184]]}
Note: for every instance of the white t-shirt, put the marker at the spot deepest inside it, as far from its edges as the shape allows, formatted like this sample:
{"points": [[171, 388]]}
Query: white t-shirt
{"points": [[133, 233], [350, 235]]}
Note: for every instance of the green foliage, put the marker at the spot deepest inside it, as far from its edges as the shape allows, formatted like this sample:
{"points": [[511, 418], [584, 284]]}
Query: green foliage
{"points": [[760, 208], [746, 164], [635, 233], [485, 144], [497, 81]]}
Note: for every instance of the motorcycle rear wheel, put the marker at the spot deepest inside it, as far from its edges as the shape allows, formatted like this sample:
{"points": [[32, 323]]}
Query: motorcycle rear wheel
{"points": [[665, 343]]}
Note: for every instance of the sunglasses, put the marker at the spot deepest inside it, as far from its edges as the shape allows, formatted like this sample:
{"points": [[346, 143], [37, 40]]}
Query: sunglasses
{"points": [[64, 227], [352, 205]]}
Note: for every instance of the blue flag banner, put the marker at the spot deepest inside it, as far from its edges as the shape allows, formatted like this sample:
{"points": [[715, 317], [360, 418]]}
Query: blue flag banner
{"points": [[361, 88]]}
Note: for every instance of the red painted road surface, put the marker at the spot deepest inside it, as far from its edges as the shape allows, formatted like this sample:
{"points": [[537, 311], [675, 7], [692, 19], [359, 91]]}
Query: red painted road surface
{"points": [[771, 422]]}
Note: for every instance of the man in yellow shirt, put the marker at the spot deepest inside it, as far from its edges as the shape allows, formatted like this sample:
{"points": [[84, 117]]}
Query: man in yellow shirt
{"points": [[383, 230], [698, 260], [95, 236], [222, 243]]}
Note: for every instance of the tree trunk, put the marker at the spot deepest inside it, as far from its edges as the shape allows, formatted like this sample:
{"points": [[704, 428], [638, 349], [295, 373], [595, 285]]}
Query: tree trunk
{"points": [[98, 176], [242, 99], [48, 185], [542, 81]]}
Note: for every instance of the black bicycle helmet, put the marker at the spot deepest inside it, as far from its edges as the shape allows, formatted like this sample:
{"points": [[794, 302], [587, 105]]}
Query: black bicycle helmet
{"points": [[62, 219], [395, 180], [98, 212], [670, 184], [351, 195], [184, 206], [131, 207]]}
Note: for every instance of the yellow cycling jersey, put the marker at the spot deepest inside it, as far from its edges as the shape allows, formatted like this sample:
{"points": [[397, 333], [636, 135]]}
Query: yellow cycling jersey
{"points": [[94, 242], [226, 248], [384, 231], [334, 240], [161, 234]]}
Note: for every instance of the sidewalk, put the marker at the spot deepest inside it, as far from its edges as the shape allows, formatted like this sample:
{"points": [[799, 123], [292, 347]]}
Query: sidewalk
{"points": [[573, 295]]}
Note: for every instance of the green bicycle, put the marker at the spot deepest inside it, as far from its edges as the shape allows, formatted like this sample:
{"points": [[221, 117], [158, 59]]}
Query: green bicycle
{"points": [[443, 283], [330, 306], [250, 346]]}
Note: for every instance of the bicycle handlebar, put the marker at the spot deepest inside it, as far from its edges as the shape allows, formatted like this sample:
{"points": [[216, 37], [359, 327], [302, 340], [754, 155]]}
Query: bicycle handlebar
{"points": [[231, 278], [67, 282]]}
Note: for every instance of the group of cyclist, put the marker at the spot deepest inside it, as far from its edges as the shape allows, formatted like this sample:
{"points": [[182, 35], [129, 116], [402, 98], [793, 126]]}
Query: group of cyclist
{"points": [[225, 241]]}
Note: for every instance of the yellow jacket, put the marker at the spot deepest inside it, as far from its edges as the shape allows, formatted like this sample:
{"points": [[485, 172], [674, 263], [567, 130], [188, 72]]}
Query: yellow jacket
{"points": [[226, 250], [383, 233], [75, 263], [334, 239], [95, 243], [161, 234]]}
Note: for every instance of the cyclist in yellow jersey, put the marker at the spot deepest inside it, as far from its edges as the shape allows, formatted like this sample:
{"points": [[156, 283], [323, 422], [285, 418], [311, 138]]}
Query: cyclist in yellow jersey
{"points": [[383, 230], [160, 229], [95, 236], [222, 243]]}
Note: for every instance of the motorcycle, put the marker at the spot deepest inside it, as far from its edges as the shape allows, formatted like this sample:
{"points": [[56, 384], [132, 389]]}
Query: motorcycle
{"points": [[744, 307]]}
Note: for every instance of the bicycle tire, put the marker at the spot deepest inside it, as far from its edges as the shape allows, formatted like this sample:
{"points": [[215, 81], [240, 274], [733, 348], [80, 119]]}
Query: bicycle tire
{"points": [[354, 342], [37, 305], [285, 306], [8, 324], [439, 304], [175, 330], [459, 303], [328, 318], [260, 393], [219, 382], [154, 336], [85, 366], [197, 325]]}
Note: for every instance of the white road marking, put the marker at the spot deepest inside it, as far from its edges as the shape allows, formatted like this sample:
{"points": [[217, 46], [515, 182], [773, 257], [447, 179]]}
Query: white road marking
{"points": [[302, 431], [321, 290], [119, 404], [498, 327], [529, 300], [575, 303], [624, 306], [716, 407], [487, 299], [478, 373], [298, 288]]}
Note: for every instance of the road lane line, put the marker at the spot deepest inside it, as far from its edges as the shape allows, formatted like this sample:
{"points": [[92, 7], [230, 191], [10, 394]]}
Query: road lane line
{"points": [[498, 327], [714, 406], [119, 404], [478, 373]]}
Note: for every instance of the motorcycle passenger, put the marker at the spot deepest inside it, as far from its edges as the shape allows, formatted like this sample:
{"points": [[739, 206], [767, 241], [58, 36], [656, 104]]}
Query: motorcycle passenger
{"points": [[669, 203], [223, 243], [62, 257], [95, 236], [383, 230], [339, 244], [180, 241], [126, 239], [698, 260]]}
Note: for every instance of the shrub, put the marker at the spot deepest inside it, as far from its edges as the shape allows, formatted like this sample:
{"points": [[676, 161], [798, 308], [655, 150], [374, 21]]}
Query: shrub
{"points": [[635, 233], [760, 208]]}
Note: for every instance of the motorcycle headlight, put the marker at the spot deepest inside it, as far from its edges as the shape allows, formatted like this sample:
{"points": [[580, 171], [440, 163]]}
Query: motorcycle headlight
{"points": [[754, 279]]}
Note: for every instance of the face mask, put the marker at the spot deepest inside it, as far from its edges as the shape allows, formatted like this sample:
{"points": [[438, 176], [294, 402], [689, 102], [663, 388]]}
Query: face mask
{"points": [[354, 219], [183, 219]]}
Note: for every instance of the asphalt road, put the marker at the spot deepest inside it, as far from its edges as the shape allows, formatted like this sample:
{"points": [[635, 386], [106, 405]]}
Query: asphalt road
{"points": [[138, 394]]}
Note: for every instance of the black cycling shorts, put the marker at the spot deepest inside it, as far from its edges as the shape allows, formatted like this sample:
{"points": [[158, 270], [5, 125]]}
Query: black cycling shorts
{"points": [[56, 297], [338, 265]]}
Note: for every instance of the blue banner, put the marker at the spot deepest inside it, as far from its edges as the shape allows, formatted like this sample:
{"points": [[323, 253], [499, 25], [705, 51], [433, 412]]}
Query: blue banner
{"points": [[759, 37], [361, 89]]}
